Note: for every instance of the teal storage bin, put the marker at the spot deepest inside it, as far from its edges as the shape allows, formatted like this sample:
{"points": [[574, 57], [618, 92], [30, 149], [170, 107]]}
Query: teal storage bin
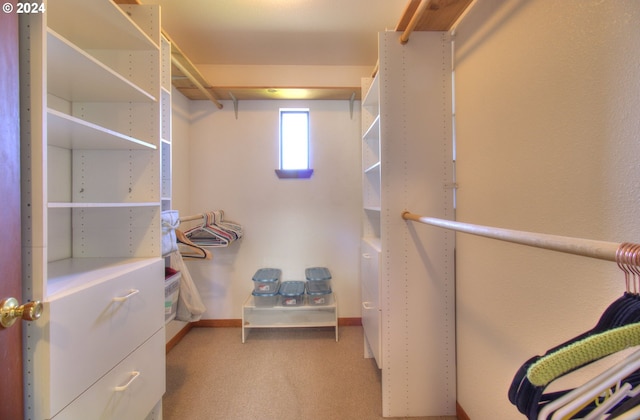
{"points": [[318, 280], [267, 280], [292, 293]]}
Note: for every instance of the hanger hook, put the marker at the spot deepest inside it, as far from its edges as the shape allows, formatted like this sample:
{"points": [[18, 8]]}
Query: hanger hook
{"points": [[632, 262], [629, 261], [620, 260]]}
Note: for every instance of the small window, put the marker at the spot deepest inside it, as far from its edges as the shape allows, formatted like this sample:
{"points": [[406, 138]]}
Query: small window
{"points": [[294, 143]]}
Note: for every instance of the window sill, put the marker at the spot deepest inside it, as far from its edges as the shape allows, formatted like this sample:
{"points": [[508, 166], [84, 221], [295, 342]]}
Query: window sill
{"points": [[294, 173]]}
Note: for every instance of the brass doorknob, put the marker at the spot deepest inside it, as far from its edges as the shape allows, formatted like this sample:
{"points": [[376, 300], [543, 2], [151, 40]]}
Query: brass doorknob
{"points": [[10, 311]]}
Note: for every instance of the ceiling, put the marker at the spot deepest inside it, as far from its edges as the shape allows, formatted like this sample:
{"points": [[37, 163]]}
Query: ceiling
{"points": [[253, 36], [279, 32]]}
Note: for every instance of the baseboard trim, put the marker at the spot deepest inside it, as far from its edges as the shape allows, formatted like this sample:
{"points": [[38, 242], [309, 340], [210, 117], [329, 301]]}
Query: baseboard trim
{"points": [[179, 336], [460, 412], [350, 322], [218, 323]]}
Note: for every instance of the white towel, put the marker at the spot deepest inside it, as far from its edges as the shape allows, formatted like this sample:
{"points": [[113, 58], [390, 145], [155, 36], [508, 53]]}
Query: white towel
{"points": [[170, 221]]}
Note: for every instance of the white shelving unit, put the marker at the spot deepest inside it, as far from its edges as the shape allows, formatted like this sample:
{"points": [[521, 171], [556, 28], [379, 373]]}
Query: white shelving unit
{"points": [[407, 275], [172, 326], [371, 199], [90, 127], [304, 316], [165, 131]]}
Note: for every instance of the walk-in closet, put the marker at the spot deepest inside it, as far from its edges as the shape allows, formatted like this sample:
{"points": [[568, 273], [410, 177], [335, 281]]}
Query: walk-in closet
{"points": [[459, 240]]}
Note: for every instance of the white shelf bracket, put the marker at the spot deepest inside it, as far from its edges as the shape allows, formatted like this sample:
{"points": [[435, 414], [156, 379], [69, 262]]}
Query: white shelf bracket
{"points": [[351, 101], [235, 104]]}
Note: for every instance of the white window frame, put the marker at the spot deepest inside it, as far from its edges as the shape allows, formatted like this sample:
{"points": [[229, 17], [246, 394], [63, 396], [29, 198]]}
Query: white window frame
{"points": [[302, 167]]}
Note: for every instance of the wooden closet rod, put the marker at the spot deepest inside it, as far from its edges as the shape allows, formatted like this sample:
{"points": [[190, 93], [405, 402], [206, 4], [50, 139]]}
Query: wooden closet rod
{"points": [[190, 218], [422, 7], [577, 246]]}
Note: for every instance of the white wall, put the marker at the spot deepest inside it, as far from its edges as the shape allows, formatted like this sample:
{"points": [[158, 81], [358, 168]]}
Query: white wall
{"points": [[180, 151], [288, 224], [547, 141]]}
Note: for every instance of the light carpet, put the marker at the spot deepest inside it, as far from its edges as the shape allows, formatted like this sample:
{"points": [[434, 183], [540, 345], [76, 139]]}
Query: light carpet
{"points": [[301, 374]]}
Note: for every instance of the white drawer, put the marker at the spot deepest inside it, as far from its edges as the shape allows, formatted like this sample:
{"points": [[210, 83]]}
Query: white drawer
{"points": [[90, 331], [142, 375], [370, 269], [371, 323], [371, 310]]}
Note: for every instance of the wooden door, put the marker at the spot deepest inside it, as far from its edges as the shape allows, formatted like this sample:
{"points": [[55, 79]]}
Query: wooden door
{"points": [[11, 382]]}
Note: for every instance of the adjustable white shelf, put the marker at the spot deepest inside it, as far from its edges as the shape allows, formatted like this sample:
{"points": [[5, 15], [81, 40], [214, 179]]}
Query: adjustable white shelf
{"points": [[288, 316], [69, 132], [102, 25], [77, 76]]}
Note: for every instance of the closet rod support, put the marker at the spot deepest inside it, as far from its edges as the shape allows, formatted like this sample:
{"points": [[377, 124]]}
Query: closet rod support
{"points": [[176, 62], [351, 101], [235, 103], [577, 246]]}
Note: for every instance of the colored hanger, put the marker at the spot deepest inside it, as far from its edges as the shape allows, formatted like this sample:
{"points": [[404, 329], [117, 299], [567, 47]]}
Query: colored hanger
{"points": [[530, 398], [195, 251]]}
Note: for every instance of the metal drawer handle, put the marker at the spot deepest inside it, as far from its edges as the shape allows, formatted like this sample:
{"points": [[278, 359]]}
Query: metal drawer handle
{"points": [[367, 305], [127, 296], [366, 256], [124, 387]]}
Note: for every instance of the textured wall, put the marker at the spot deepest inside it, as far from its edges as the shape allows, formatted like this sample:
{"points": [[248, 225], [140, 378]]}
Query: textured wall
{"points": [[289, 224], [547, 129]]}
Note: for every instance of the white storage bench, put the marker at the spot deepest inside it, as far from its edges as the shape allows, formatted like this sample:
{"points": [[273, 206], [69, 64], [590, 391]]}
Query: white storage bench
{"points": [[288, 316]]}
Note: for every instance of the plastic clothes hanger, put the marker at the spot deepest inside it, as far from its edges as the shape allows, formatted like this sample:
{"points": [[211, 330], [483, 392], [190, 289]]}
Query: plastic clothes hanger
{"points": [[623, 392], [195, 250], [206, 234], [530, 398], [214, 231], [214, 225], [609, 379], [233, 229], [582, 352], [625, 407], [572, 402], [633, 414]]}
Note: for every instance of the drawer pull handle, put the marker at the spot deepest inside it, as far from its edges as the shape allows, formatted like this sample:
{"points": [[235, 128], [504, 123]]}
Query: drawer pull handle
{"points": [[127, 296], [124, 387], [366, 256], [367, 305]]}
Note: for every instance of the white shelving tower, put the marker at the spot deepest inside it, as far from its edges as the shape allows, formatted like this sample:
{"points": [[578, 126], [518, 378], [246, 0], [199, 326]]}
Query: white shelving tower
{"points": [[165, 131], [407, 274], [370, 244], [91, 167]]}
